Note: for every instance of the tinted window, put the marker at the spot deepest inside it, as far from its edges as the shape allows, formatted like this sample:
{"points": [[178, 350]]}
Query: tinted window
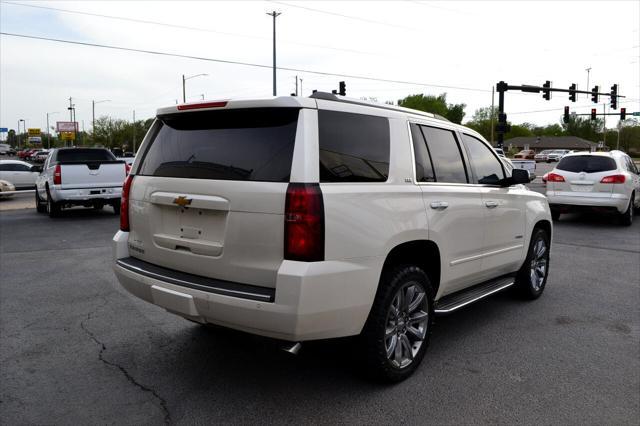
{"points": [[486, 165], [21, 168], [247, 144], [445, 155], [586, 163], [6, 167], [424, 168], [84, 154], [353, 147]]}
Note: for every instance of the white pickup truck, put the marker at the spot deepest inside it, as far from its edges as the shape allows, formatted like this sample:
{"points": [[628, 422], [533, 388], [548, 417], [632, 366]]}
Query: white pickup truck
{"points": [[528, 165], [89, 177]]}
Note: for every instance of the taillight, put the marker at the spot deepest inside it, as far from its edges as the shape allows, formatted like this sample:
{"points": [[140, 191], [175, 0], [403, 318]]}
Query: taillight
{"points": [[554, 177], [124, 204], [57, 175], [304, 223], [613, 179]]}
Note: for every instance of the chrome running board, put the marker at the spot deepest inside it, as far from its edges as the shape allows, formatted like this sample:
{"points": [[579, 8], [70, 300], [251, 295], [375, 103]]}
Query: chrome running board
{"points": [[467, 296]]}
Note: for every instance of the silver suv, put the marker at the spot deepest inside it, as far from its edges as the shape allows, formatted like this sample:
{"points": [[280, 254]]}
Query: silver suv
{"points": [[323, 217]]}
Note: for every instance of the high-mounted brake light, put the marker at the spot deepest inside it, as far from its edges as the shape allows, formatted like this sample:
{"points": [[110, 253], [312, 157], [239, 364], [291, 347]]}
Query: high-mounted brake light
{"points": [[613, 179], [554, 177], [124, 204], [304, 223], [57, 175], [200, 105]]}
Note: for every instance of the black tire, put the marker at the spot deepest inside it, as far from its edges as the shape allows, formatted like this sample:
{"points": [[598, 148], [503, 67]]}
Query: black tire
{"points": [[116, 208], [527, 285], [626, 218], [374, 339], [555, 215], [98, 206], [41, 207], [53, 208]]}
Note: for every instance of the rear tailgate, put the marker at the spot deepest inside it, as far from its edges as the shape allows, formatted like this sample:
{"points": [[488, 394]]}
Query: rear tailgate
{"points": [[582, 176], [93, 174], [209, 193]]}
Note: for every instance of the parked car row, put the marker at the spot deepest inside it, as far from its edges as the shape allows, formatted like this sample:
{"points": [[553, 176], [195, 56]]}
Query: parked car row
{"points": [[547, 155]]}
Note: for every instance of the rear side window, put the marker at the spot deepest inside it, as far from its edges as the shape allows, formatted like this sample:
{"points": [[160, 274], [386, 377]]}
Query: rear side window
{"points": [[83, 154], [353, 147], [243, 144], [424, 168], [445, 155], [587, 164]]}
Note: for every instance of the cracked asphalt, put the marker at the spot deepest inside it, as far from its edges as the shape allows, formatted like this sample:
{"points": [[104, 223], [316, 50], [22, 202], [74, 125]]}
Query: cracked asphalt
{"points": [[75, 348]]}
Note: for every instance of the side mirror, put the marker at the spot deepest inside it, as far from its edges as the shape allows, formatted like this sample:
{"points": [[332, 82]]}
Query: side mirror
{"points": [[37, 169], [520, 176]]}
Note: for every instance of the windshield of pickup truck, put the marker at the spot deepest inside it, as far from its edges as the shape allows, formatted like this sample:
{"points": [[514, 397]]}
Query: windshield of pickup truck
{"points": [[83, 154]]}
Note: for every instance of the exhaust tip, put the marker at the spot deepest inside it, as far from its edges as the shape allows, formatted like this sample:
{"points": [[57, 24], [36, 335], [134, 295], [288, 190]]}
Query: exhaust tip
{"points": [[293, 349]]}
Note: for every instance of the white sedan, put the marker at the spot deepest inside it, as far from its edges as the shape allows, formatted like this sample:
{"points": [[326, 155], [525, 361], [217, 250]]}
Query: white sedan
{"points": [[21, 174], [604, 181]]}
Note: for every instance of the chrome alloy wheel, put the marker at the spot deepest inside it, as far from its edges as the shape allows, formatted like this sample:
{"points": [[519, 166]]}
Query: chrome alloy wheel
{"points": [[539, 261], [406, 326]]}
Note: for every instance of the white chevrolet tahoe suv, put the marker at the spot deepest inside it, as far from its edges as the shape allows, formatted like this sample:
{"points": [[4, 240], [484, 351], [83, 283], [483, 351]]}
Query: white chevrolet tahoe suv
{"points": [[313, 218]]}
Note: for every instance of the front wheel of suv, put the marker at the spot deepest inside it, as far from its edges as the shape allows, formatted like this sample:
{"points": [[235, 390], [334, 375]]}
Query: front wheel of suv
{"points": [[532, 277], [395, 337]]}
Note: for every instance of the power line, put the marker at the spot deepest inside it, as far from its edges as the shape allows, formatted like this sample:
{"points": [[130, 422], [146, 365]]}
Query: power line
{"points": [[184, 27], [562, 109], [355, 18], [248, 64]]}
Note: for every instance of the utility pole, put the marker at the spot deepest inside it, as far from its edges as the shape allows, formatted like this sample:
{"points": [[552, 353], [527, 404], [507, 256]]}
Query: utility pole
{"points": [[275, 15], [301, 87], [296, 85], [588, 70], [604, 124], [493, 93], [184, 93], [134, 132]]}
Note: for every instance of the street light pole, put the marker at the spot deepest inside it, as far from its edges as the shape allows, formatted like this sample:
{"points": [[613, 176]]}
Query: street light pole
{"points": [[588, 70], [49, 130], [275, 15], [184, 79]]}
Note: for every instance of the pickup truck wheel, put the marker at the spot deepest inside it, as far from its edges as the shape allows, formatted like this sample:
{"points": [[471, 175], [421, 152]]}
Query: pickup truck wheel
{"points": [[532, 277], [41, 206], [53, 208], [626, 218], [395, 337], [116, 208]]}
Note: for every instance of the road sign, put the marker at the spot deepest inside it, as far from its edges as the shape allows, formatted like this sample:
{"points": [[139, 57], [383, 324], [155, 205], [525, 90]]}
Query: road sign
{"points": [[34, 132], [67, 126], [68, 136], [635, 114], [4, 130], [35, 140]]}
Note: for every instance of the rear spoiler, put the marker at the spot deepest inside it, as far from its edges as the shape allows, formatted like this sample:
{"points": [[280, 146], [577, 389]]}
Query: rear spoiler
{"points": [[87, 162]]}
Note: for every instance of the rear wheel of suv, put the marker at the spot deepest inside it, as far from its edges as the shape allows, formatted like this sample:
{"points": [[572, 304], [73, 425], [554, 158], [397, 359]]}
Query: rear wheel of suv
{"points": [[395, 337], [626, 218], [532, 277], [53, 208], [41, 206]]}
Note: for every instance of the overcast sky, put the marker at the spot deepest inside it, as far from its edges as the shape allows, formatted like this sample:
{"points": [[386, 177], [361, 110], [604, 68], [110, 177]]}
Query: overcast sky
{"points": [[466, 46]]}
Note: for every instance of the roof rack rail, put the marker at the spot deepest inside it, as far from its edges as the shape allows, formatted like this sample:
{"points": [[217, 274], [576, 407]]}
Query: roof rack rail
{"points": [[332, 97]]}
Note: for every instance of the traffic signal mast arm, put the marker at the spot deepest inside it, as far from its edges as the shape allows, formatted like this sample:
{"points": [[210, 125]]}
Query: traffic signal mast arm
{"points": [[538, 89]]}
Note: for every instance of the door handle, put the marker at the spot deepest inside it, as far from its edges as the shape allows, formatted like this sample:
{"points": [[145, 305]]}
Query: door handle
{"points": [[491, 204], [439, 205]]}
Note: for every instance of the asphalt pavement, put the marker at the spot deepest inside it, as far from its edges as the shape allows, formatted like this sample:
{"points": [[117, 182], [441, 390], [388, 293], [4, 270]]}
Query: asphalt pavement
{"points": [[76, 348]]}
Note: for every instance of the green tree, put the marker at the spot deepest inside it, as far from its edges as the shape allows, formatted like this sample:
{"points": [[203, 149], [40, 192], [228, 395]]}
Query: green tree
{"points": [[435, 105], [583, 128]]}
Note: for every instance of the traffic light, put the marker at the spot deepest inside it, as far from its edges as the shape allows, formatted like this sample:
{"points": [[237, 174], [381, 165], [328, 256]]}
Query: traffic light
{"points": [[343, 89], [594, 94], [572, 92], [593, 113], [623, 113], [614, 96], [566, 114], [546, 94]]}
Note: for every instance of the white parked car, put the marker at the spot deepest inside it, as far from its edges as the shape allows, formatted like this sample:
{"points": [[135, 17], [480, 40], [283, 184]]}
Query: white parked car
{"points": [[557, 154], [323, 217], [606, 181], [20, 173], [543, 155], [5, 187]]}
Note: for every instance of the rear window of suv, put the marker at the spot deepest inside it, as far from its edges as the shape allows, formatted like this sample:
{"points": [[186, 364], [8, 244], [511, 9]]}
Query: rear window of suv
{"points": [[82, 154], [243, 144], [587, 164]]}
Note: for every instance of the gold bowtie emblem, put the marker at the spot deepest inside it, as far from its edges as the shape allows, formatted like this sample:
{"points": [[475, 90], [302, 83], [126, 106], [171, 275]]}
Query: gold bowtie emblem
{"points": [[182, 201]]}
